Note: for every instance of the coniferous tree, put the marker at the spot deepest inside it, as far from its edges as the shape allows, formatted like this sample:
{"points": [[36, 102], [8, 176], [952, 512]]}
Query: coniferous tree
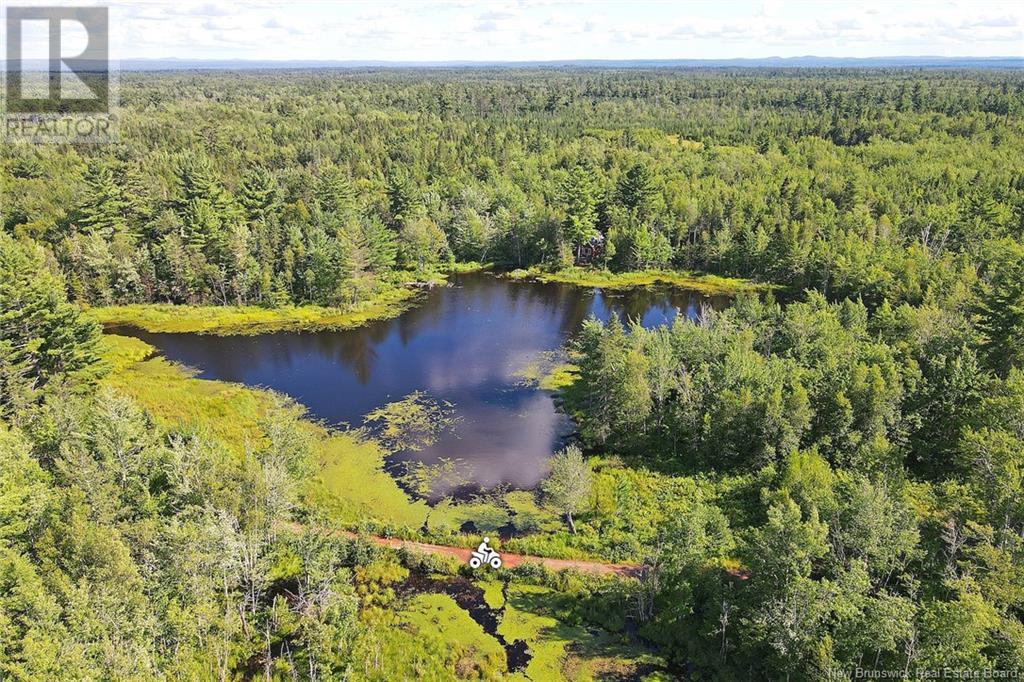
{"points": [[104, 210], [578, 194], [1002, 308], [44, 342], [636, 190], [334, 192], [258, 194], [404, 201]]}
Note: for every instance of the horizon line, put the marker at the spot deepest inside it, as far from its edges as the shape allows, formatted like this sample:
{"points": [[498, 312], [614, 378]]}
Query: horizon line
{"points": [[578, 59]]}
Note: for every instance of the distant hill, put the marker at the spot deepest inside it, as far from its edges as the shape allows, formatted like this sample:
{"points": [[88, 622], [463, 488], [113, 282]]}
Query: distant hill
{"points": [[925, 62]]}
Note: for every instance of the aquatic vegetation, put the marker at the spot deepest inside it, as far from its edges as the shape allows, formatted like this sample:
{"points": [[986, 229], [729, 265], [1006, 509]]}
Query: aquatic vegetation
{"points": [[559, 377], [412, 423], [430, 480], [494, 593], [486, 515], [549, 371]]}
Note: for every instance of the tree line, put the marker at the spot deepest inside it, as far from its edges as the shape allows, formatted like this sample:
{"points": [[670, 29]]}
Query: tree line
{"points": [[322, 187]]}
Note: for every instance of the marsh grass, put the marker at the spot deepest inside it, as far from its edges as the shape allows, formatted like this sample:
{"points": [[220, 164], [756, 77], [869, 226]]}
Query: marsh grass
{"points": [[713, 285], [224, 412], [394, 297], [250, 320], [355, 490]]}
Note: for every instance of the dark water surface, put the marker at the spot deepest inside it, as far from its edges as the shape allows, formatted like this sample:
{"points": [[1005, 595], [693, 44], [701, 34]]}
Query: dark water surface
{"points": [[466, 344]]}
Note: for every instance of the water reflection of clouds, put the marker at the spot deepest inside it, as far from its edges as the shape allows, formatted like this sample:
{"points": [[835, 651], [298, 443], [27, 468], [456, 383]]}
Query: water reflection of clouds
{"points": [[448, 373], [506, 442]]}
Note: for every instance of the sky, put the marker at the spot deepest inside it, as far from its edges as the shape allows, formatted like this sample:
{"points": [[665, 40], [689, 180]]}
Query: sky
{"points": [[530, 30]]}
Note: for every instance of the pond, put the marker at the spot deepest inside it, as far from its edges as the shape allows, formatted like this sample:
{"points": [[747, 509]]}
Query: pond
{"points": [[468, 344]]}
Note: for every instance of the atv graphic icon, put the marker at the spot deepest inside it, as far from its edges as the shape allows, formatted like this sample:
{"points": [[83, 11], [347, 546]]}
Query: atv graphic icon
{"points": [[485, 555]]}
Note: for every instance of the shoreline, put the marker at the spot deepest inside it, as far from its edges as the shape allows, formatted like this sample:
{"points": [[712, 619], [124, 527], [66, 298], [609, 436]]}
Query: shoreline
{"points": [[711, 285], [251, 320], [352, 486]]}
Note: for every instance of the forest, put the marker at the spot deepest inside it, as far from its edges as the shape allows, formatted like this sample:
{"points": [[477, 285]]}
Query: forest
{"points": [[826, 476]]}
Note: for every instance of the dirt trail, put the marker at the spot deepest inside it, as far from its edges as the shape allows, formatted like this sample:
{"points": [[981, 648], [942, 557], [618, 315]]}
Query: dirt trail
{"points": [[508, 560]]}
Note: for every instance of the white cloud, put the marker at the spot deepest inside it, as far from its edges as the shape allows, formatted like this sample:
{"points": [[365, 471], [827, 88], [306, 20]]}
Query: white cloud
{"points": [[562, 29]]}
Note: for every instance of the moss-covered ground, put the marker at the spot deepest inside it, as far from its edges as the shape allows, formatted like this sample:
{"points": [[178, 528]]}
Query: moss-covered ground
{"points": [[438, 626], [561, 647], [429, 637]]}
